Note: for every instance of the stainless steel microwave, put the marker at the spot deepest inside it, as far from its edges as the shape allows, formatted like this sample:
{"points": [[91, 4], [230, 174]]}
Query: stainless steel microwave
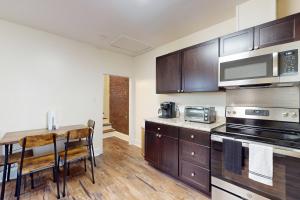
{"points": [[272, 66]]}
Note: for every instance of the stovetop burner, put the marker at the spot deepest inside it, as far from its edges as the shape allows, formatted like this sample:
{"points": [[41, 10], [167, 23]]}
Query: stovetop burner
{"points": [[267, 129]]}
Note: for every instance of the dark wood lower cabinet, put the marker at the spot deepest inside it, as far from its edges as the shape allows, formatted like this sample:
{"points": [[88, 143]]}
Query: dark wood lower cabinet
{"points": [[169, 155], [195, 175], [180, 152]]}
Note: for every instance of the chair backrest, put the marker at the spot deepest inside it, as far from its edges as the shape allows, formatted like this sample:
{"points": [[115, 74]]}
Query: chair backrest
{"points": [[37, 140], [91, 124], [79, 133]]}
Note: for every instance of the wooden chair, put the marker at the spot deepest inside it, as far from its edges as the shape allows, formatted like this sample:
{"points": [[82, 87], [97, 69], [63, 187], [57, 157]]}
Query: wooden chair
{"points": [[91, 124], [77, 147], [30, 165], [14, 158]]}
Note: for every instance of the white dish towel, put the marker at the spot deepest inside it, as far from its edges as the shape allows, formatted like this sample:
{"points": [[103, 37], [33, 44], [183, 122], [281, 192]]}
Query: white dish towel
{"points": [[261, 163]]}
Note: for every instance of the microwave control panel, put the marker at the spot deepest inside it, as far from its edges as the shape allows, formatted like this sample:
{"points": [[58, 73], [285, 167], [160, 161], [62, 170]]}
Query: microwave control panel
{"points": [[288, 62]]}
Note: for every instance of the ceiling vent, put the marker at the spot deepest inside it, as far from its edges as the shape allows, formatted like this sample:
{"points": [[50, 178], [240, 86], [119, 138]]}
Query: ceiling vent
{"points": [[130, 45]]}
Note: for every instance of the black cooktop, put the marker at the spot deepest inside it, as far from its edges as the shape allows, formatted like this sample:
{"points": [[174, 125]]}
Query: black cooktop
{"points": [[281, 137]]}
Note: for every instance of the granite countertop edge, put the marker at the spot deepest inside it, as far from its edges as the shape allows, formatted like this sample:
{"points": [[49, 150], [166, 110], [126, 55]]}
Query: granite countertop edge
{"points": [[179, 122]]}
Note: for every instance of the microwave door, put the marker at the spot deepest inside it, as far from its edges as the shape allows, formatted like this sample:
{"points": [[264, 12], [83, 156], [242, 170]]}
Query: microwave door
{"points": [[244, 70]]}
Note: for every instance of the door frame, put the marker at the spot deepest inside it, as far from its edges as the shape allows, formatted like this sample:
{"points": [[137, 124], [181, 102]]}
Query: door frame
{"points": [[131, 116]]}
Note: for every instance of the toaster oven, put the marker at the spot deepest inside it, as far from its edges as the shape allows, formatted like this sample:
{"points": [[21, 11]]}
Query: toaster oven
{"points": [[202, 114]]}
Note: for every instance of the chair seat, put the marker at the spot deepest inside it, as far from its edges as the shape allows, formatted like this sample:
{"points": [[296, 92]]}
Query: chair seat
{"points": [[15, 157], [32, 164], [75, 153]]}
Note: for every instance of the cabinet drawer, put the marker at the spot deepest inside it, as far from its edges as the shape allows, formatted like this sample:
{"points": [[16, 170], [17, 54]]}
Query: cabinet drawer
{"points": [[195, 175], [195, 136], [171, 131], [195, 153]]}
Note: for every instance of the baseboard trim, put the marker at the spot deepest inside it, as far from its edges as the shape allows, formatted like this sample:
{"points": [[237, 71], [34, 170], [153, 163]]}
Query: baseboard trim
{"points": [[116, 134]]}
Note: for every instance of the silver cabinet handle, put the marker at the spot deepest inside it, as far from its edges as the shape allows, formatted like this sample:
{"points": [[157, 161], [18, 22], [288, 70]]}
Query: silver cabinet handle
{"points": [[159, 135], [178, 90], [192, 153], [193, 174], [158, 128], [192, 136], [181, 90]]}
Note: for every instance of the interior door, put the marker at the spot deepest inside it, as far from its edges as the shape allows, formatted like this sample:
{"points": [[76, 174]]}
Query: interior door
{"points": [[119, 103]]}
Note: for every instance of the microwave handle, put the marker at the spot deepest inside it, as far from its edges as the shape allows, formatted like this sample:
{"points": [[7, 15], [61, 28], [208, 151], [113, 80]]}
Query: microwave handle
{"points": [[276, 149], [275, 64]]}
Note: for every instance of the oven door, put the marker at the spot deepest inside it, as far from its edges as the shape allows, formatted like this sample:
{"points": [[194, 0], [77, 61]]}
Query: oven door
{"points": [[286, 177], [248, 69]]}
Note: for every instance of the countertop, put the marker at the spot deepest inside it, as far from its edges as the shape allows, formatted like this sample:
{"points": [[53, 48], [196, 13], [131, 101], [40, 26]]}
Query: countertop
{"points": [[192, 125]]}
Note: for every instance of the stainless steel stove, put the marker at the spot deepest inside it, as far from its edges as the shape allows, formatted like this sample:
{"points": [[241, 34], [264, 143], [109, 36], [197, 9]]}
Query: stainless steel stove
{"points": [[275, 127]]}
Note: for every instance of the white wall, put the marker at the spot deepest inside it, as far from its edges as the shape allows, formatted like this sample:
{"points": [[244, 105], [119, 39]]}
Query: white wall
{"points": [[41, 72], [147, 101]]}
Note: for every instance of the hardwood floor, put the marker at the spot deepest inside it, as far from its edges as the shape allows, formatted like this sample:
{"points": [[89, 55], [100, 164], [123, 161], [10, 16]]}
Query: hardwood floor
{"points": [[121, 174]]}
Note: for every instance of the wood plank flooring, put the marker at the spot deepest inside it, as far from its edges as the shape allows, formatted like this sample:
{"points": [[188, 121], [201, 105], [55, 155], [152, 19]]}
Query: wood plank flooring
{"points": [[121, 174]]}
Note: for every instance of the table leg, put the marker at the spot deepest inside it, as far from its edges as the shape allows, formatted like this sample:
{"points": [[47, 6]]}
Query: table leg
{"points": [[4, 172]]}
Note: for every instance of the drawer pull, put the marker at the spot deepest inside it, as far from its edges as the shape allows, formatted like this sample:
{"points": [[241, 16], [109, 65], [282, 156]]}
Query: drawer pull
{"points": [[193, 174], [159, 135], [192, 153], [158, 128], [192, 136]]}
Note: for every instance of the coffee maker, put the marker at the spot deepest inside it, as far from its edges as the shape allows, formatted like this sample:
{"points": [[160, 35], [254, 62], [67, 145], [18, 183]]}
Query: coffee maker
{"points": [[167, 110]]}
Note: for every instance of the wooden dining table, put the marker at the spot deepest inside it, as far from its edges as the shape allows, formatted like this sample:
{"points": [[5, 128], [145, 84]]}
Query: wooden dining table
{"points": [[14, 137]]}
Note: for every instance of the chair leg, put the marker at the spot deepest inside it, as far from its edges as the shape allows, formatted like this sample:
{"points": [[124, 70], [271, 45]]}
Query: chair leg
{"points": [[53, 174], [84, 160], [17, 181], [56, 171], [94, 155], [8, 172], [92, 164], [65, 177], [19, 186], [68, 169], [31, 180]]}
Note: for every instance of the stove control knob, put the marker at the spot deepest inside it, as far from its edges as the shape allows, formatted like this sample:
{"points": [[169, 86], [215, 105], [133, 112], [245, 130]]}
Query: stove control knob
{"points": [[233, 112], [294, 115], [285, 114], [228, 112]]}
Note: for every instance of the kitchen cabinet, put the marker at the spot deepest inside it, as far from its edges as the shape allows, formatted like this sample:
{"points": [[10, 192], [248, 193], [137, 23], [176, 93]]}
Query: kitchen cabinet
{"points": [[161, 147], [180, 152], [277, 32], [194, 69], [194, 158], [168, 73], [200, 67], [237, 42]]}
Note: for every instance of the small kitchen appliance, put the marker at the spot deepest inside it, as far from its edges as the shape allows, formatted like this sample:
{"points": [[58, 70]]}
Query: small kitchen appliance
{"points": [[167, 110], [267, 67], [275, 128], [202, 114]]}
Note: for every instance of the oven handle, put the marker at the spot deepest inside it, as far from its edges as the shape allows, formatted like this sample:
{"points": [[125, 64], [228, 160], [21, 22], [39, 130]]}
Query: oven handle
{"points": [[276, 149], [275, 64]]}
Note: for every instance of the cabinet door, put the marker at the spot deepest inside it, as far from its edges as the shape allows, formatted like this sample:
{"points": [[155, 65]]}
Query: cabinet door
{"points": [[169, 155], [152, 148], [237, 42], [200, 67], [277, 32], [168, 73]]}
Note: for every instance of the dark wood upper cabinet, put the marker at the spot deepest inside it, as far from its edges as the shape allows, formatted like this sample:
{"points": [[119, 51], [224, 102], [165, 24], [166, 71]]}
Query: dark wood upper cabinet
{"points": [[277, 32], [168, 73], [200, 67], [237, 42]]}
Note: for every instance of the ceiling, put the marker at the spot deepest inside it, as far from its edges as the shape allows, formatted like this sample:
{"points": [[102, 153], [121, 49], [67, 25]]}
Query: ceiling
{"points": [[131, 27]]}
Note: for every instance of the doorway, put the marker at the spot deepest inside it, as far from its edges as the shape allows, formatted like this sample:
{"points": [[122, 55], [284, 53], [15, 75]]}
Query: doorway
{"points": [[116, 107]]}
